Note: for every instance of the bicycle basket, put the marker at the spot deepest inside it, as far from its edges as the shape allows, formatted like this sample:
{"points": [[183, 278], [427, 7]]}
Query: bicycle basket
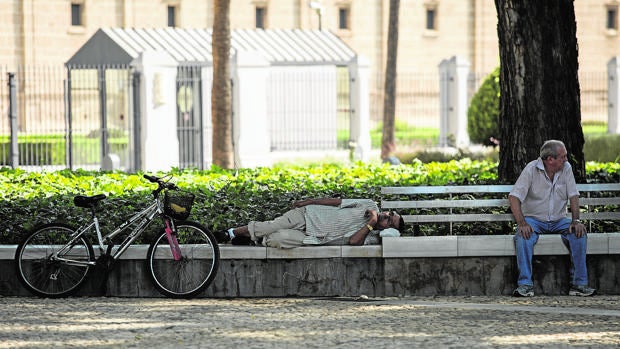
{"points": [[178, 204]]}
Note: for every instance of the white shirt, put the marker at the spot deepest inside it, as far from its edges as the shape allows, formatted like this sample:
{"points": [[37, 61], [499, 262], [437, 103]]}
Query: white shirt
{"points": [[542, 198]]}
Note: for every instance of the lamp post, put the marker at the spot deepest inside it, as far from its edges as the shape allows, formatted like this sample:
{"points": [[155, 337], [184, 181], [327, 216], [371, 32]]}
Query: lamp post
{"points": [[318, 8]]}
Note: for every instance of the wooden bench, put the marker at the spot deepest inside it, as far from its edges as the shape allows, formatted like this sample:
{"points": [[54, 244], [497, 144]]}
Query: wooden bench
{"points": [[594, 205], [487, 206]]}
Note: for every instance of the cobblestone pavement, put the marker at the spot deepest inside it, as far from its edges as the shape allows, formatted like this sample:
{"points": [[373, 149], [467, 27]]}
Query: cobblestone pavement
{"points": [[444, 322]]}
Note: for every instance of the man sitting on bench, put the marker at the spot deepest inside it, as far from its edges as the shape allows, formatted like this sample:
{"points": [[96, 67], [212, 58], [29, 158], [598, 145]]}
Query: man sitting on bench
{"points": [[538, 203]]}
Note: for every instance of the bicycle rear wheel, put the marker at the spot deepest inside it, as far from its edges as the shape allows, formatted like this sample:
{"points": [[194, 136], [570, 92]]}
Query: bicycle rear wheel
{"points": [[200, 258], [43, 273]]}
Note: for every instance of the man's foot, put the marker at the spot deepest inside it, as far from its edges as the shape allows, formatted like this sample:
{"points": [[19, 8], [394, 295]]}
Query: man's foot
{"points": [[242, 241], [221, 236], [523, 291], [582, 291]]}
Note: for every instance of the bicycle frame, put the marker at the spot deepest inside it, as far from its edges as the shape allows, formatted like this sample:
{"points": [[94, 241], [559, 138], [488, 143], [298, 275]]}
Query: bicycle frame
{"points": [[144, 218]]}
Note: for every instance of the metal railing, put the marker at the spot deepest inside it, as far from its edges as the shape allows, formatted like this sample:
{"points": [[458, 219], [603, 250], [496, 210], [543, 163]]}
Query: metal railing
{"points": [[45, 127]]}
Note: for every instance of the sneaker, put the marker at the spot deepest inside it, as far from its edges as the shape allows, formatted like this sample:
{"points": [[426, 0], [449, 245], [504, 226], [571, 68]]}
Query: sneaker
{"points": [[523, 291], [582, 291], [221, 236], [242, 241]]}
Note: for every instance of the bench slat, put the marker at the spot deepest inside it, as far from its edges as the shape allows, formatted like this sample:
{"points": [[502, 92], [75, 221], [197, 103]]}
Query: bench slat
{"points": [[599, 201], [500, 217], [481, 203], [454, 218], [462, 189], [445, 203], [600, 216], [458, 189], [596, 187]]}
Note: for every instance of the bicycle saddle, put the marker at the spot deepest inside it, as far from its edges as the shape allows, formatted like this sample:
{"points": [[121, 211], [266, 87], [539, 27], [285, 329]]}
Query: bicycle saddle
{"points": [[88, 201]]}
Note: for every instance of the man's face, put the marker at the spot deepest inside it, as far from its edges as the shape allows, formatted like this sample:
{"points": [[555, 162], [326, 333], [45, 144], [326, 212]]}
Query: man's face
{"points": [[388, 219], [555, 164]]}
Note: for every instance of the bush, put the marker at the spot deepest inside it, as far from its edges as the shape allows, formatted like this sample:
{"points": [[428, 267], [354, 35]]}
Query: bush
{"points": [[602, 148], [226, 198], [483, 112]]}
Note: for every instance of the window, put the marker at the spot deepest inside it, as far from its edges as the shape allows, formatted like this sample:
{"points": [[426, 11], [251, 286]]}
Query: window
{"points": [[76, 14], [261, 13], [431, 14], [343, 18], [172, 16], [612, 17]]}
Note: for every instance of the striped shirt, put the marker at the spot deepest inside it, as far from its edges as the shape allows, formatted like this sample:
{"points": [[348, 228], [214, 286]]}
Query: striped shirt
{"points": [[333, 222]]}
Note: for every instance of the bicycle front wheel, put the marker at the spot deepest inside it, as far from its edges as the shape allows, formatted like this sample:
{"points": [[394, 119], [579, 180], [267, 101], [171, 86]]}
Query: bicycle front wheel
{"points": [[47, 266], [200, 258]]}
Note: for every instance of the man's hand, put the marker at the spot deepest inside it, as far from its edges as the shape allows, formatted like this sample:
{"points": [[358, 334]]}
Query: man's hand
{"points": [[524, 229], [578, 228], [373, 217]]}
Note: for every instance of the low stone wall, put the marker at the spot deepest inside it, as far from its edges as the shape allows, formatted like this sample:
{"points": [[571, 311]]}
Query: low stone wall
{"points": [[406, 266]]}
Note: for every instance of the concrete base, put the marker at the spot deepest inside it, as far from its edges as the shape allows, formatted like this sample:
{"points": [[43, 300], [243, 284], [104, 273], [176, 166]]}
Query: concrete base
{"points": [[374, 277]]}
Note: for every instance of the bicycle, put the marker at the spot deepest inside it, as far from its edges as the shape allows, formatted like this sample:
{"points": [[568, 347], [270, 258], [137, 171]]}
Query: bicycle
{"points": [[56, 259]]}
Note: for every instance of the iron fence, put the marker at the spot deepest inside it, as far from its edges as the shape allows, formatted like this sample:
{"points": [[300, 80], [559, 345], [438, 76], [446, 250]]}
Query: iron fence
{"points": [[71, 117]]}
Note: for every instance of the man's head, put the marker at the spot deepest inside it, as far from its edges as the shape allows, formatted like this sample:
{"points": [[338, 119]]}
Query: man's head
{"points": [[553, 154], [390, 219]]}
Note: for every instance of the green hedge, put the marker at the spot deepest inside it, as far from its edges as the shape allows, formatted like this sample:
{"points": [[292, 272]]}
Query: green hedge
{"points": [[230, 198], [45, 150]]}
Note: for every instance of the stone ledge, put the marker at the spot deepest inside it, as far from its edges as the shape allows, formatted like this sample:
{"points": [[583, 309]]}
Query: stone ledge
{"points": [[491, 245], [7, 252], [397, 247]]}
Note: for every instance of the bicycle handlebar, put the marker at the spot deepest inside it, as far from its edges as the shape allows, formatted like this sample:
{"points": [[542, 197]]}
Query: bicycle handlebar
{"points": [[163, 184]]}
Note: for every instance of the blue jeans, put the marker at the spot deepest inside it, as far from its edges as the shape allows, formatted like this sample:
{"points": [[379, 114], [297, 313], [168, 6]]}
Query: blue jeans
{"points": [[576, 247]]}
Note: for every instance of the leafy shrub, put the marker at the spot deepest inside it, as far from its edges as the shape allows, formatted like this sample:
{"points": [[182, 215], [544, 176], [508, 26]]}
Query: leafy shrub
{"points": [[602, 148], [449, 154], [483, 112], [405, 134], [227, 198]]}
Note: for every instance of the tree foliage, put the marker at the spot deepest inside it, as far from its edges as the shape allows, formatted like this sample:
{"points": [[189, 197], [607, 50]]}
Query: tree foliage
{"points": [[483, 112]]}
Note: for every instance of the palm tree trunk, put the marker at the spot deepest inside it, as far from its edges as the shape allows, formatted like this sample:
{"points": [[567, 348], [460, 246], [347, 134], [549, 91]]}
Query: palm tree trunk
{"points": [[223, 153]]}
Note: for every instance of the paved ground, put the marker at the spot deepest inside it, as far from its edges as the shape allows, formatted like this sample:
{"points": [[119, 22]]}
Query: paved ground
{"points": [[454, 322]]}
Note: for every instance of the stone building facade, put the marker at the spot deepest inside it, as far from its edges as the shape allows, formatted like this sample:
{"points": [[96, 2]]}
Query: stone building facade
{"points": [[42, 32]]}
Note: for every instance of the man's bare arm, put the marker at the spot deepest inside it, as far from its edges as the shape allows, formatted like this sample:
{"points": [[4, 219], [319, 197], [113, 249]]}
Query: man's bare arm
{"points": [[324, 202], [576, 226], [359, 236], [522, 227]]}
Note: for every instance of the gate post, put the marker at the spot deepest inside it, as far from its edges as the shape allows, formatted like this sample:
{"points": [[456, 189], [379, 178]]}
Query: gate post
{"points": [[453, 102], [613, 95], [159, 142], [251, 137], [359, 94], [14, 147]]}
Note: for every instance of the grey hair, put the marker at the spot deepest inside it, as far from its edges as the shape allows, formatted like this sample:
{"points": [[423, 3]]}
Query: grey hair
{"points": [[551, 148]]}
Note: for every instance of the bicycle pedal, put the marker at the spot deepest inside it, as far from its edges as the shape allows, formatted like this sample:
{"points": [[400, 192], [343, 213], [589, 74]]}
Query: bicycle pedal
{"points": [[105, 261]]}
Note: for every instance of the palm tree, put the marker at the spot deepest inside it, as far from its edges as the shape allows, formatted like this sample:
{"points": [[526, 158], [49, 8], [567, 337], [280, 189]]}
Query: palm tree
{"points": [[389, 97], [223, 154]]}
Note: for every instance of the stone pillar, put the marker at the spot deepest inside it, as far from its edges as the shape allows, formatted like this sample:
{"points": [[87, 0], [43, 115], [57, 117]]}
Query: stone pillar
{"points": [[158, 122], [249, 109], [613, 95], [359, 92], [453, 74]]}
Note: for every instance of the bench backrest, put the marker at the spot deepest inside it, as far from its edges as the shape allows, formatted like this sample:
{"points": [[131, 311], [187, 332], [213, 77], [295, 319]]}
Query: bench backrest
{"points": [[463, 203]]}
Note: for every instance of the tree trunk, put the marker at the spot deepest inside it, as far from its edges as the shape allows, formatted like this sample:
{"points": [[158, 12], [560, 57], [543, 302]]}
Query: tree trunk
{"points": [[223, 154], [538, 82], [389, 97]]}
